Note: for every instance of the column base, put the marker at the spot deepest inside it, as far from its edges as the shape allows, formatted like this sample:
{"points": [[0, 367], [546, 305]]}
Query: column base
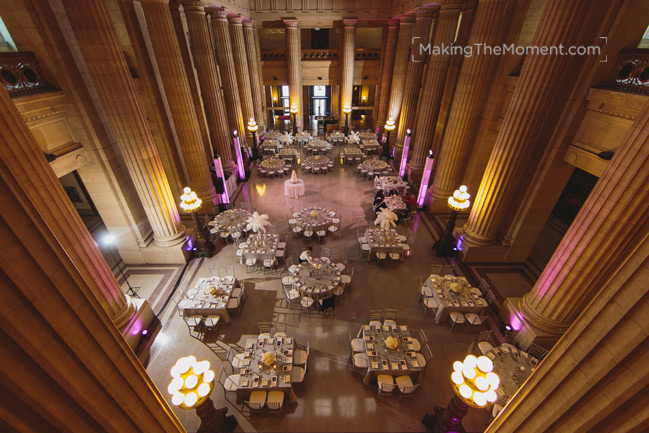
{"points": [[512, 314], [140, 321], [177, 239], [415, 172]]}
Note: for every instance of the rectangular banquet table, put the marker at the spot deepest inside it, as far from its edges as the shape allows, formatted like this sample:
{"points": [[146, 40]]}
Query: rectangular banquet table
{"points": [[449, 300], [199, 302], [256, 376], [260, 246], [401, 361], [385, 241]]}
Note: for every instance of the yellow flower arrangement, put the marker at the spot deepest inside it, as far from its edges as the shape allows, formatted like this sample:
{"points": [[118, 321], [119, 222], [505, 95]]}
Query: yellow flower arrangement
{"points": [[314, 213], [391, 343], [268, 358]]}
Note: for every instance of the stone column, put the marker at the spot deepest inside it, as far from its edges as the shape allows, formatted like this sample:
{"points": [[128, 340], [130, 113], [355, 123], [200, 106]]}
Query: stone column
{"points": [[386, 72], [433, 91], [253, 65], [114, 85], [242, 70], [532, 98], [347, 66], [294, 66], [598, 242], [400, 64], [414, 71], [225, 60], [203, 53], [469, 95], [176, 86]]}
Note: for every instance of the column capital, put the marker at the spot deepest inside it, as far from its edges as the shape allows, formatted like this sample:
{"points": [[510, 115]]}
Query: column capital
{"points": [[393, 22], [291, 22], [407, 19], [426, 12], [248, 23], [193, 5], [350, 22], [154, 1], [450, 5], [468, 5], [217, 13], [235, 20]]}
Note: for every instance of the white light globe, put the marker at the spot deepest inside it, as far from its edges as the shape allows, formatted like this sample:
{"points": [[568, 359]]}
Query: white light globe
{"points": [[465, 391], [190, 399], [183, 365], [491, 396], [201, 367], [457, 378], [485, 364], [470, 361], [177, 399], [208, 376], [468, 372], [191, 381], [480, 399], [481, 383], [493, 380], [457, 366], [175, 385], [203, 390]]}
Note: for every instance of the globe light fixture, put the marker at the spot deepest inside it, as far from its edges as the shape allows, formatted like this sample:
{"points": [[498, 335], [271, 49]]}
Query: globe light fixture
{"points": [[294, 111], [191, 385], [190, 203], [252, 127], [347, 109], [474, 384], [446, 245]]}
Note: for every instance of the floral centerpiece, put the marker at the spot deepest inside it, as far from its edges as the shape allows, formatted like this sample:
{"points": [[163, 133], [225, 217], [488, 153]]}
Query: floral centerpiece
{"points": [[385, 218], [391, 343], [455, 287], [268, 358], [257, 223], [313, 213]]}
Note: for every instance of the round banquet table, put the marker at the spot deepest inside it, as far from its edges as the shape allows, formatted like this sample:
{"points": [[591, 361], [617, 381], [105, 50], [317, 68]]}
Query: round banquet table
{"points": [[317, 279], [375, 166], [317, 161], [294, 190], [233, 220], [314, 218]]}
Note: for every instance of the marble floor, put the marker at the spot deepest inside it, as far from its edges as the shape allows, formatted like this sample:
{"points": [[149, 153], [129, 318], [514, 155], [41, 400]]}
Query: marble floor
{"points": [[332, 398]]}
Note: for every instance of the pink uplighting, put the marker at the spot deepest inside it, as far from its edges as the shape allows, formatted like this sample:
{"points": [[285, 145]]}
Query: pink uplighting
{"points": [[240, 168], [423, 187], [404, 155], [515, 322], [218, 168]]}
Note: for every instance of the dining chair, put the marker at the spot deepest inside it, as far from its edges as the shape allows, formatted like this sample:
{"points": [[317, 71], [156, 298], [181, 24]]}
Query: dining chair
{"points": [[256, 402], [214, 271], [306, 303], [301, 354], [251, 264], [406, 387], [275, 402], [264, 327], [456, 318], [195, 325], [537, 351], [229, 384], [212, 322], [390, 317], [385, 384], [483, 286], [473, 319]]}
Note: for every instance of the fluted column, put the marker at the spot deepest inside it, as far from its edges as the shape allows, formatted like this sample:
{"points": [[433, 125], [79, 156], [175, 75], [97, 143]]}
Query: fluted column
{"points": [[241, 68], [294, 66], [386, 72], [347, 65], [414, 71], [600, 238], [176, 86], [469, 94], [22, 159], [123, 108], [225, 59], [433, 91], [253, 65], [203, 53], [530, 103], [400, 65]]}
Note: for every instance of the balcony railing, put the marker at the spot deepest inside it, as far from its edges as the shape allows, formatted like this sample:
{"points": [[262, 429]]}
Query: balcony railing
{"points": [[20, 73], [631, 72], [313, 54], [367, 54], [273, 55], [328, 54]]}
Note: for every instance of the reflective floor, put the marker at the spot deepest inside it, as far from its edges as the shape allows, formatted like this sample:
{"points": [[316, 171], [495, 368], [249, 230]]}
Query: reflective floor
{"points": [[332, 398]]}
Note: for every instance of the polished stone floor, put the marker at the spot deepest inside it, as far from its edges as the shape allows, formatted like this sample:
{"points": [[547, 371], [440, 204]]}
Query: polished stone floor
{"points": [[332, 398]]}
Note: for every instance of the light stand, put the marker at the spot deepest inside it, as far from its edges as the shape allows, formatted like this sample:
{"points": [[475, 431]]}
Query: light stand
{"points": [[404, 154], [190, 203], [241, 169], [389, 127], [252, 127], [446, 244], [423, 186], [347, 109], [109, 240], [294, 111]]}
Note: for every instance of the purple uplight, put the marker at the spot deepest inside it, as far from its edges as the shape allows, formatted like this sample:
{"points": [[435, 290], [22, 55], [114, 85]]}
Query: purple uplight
{"points": [[218, 168], [145, 331], [404, 155], [507, 327], [423, 187], [237, 150]]}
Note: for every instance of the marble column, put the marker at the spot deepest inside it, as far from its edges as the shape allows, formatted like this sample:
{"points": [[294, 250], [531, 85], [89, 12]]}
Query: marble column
{"points": [[433, 89], [176, 86], [347, 66], [597, 242], [404, 41], [386, 71], [114, 85], [414, 72], [294, 67], [225, 60], [469, 95], [203, 54], [253, 65], [42, 193], [530, 102], [242, 69]]}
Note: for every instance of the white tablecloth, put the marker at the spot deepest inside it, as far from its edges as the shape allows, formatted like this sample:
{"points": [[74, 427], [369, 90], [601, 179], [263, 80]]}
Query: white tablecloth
{"points": [[295, 190]]}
